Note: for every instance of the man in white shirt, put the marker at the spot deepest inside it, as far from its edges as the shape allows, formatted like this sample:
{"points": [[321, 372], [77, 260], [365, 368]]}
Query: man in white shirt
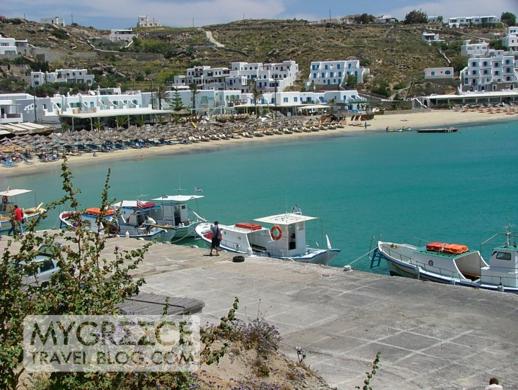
{"points": [[494, 385]]}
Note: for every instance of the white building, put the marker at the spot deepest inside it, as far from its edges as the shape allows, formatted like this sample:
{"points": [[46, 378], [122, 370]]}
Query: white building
{"points": [[335, 73], [467, 21], [268, 77], [510, 41], [493, 73], [218, 101], [439, 73], [122, 35], [8, 46], [80, 76], [145, 21], [430, 37], [55, 20], [479, 49]]}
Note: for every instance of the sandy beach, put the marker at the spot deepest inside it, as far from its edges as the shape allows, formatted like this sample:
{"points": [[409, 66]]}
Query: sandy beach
{"points": [[379, 123]]}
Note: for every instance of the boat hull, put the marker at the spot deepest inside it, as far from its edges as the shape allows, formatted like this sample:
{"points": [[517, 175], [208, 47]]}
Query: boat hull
{"points": [[398, 267], [312, 255]]}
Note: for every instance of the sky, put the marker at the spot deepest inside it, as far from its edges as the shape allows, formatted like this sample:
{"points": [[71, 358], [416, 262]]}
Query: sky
{"points": [[179, 13]]}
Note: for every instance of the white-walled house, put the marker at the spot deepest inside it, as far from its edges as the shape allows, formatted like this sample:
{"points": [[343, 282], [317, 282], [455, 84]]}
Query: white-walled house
{"points": [[267, 76], [439, 73], [62, 76], [335, 73], [145, 21], [8, 46], [510, 41], [478, 49], [493, 73], [467, 21], [122, 35], [55, 20], [430, 37], [218, 100]]}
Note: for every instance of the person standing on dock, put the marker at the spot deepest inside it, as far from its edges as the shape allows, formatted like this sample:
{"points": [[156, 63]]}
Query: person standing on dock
{"points": [[216, 238], [494, 385]]}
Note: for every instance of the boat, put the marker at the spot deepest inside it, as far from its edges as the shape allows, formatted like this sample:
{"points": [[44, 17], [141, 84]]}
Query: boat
{"points": [[7, 208], [439, 130], [453, 264], [125, 219], [176, 217], [285, 239]]}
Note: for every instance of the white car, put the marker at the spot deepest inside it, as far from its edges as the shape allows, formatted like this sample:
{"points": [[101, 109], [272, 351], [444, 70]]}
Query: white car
{"points": [[45, 265]]}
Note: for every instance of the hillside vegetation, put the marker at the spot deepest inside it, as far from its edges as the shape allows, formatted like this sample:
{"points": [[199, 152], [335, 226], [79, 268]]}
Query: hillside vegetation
{"points": [[394, 53]]}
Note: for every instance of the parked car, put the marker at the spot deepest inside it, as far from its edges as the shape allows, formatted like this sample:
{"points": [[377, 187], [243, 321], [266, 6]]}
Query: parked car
{"points": [[44, 265]]}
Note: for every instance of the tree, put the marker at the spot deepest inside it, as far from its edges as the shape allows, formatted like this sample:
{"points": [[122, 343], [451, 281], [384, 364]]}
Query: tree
{"points": [[85, 283], [415, 17], [459, 62], [364, 19], [194, 92], [177, 101], [508, 18], [256, 94], [351, 81]]}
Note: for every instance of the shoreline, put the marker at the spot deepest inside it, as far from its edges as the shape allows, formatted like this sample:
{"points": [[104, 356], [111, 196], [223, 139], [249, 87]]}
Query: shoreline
{"points": [[378, 124]]}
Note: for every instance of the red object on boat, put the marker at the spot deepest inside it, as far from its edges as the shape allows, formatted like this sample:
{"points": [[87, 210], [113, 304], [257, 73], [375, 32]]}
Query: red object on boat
{"points": [[145, 205], [97, 211], [249, 226], [208, 235], [444, 247]]}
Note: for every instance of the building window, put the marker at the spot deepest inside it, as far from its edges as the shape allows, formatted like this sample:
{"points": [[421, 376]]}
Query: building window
{"points": [[327, 67], [339, 74], [285, 100]]}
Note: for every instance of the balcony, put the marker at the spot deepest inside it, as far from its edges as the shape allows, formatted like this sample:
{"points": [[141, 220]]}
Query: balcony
{"points": [[11, 118]]}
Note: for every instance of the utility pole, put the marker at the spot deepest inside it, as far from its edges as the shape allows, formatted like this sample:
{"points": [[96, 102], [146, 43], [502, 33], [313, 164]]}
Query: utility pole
{"points": [[72, 18], [35, 117], [330, 14]]}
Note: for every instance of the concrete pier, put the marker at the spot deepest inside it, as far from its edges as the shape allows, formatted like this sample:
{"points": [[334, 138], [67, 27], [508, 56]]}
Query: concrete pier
{"points": [[430, 336]]}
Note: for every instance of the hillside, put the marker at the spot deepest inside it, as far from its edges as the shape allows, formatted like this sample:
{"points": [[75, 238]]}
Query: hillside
{"points": [[395, 53]]}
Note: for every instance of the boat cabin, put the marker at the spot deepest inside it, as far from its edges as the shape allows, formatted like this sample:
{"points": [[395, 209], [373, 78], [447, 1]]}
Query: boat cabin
{"points": [[287, 234], [174, 209], [7, 205], [503, 270], [134, 212]]}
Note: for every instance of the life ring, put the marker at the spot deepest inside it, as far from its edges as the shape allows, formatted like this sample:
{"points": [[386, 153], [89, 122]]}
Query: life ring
{"points": [[276, 232]]}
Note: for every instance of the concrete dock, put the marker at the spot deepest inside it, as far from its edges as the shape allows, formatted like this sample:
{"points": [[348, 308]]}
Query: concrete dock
{"points": [[430, 336]]}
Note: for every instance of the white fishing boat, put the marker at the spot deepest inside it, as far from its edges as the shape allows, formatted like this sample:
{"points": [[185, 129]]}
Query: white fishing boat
{"points": [[175, 215], [8, 201], [125, 220], [453, 264], [285, 239]]}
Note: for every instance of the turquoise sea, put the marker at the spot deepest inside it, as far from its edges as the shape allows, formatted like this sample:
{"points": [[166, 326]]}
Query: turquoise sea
{"points": [[409, 187]]}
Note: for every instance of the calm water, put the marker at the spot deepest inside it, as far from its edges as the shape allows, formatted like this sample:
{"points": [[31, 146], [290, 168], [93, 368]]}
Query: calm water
{"points": [[404, 187]]}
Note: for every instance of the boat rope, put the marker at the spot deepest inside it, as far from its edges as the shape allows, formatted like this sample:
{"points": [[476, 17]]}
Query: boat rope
{"points": [[199, 216], [362, 256]]}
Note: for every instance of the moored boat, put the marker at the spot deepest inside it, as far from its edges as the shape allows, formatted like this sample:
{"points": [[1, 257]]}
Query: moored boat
{"points": [[176, 216], [7, 207], [285, 239], [124, 221], [454, 264], [439, 130]]}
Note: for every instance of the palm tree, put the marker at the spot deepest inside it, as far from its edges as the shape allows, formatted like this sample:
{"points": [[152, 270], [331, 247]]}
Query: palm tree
{"points": [[194, 92], [256, 93]]}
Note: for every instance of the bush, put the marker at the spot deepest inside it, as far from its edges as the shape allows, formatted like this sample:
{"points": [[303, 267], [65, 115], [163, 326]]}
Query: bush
{"points": [[259, 335], [508, 18], [416, 17]]}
